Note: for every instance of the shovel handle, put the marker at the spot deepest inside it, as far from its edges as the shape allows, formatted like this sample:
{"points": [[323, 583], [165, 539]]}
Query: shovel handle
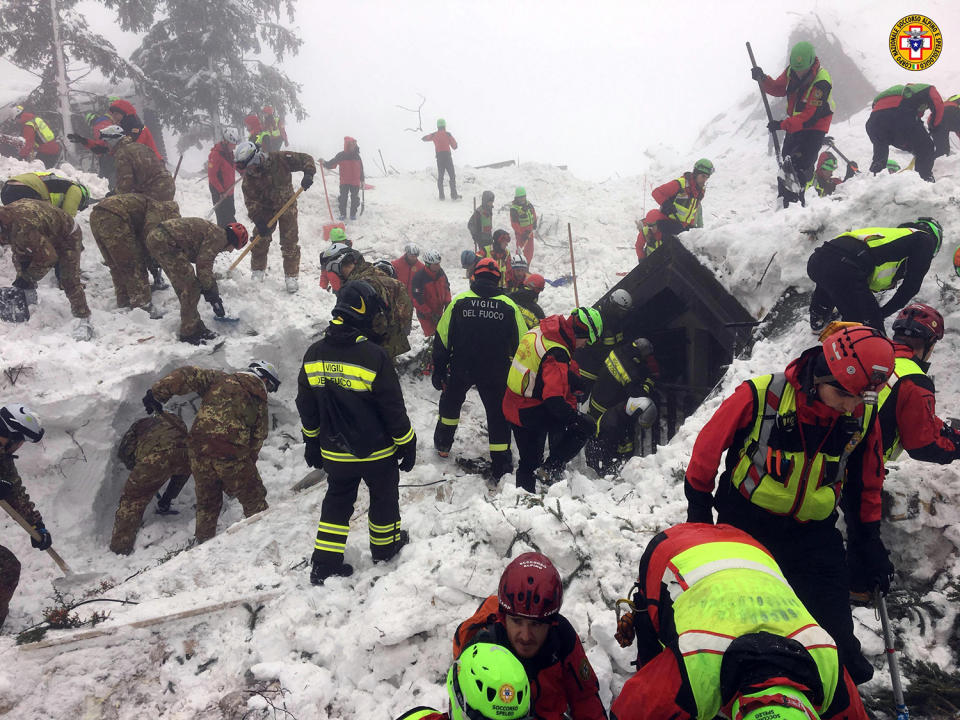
{"points": [[273, 220], [35, 535]]}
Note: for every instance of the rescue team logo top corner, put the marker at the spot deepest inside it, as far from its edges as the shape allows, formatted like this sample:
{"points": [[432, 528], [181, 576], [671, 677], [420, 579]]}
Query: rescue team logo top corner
{"points": [[915, 42]]}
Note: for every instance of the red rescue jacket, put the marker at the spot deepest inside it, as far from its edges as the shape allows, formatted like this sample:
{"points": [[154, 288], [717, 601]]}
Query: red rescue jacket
{"points": [[405, 272], [31, 140], [351, 166], [442, 141], [221, 172], [431, 294], [816, 114]]}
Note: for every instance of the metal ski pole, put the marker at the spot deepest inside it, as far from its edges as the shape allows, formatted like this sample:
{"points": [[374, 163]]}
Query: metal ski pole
{"points": [[902, 712]]}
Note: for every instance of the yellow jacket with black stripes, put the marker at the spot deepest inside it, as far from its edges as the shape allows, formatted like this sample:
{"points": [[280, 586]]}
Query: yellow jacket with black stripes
{"points": [[349, 398]]}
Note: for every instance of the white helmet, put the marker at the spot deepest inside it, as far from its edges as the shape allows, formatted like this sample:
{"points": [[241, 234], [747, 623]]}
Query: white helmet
{"points": [[231, 135], [19, 420], [519, 261], [247, 154], [267, 372], [112, 134], [431, 257], [621, 299], [411, 249]]}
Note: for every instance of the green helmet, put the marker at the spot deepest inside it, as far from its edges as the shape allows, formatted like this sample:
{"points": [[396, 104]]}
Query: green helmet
{"points": [[779, 702], [703, 166], [829, 162], [84, 196], [490, 682], [338, 235], [90, 117], [520, 192], [802, 57], [933, 227], [893, 165], [441, 123], [587, 323]]}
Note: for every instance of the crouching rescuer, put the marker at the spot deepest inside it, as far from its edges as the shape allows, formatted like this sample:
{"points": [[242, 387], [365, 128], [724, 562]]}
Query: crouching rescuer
{"points": [[355, 427]]}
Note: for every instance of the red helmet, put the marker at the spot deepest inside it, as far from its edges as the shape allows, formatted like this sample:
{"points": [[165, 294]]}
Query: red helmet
{"points": [[239, 233], [919, 321], [534, 282], [530, 587], [860, 358], [487, 266]]}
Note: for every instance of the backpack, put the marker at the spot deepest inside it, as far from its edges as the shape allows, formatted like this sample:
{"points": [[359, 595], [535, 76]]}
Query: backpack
{"points": [[485, 614], [127, 452]]}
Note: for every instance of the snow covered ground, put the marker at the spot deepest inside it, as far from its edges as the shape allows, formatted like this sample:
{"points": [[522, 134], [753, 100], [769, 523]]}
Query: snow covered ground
{"points": [[378, 643]]}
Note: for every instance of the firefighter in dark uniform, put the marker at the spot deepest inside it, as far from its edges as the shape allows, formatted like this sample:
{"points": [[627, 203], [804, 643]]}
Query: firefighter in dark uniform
{"points": [[475, 341], [614, 309], [355, 426]]}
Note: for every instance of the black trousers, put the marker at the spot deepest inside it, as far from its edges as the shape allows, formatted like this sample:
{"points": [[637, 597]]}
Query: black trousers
{"points": [[843, 285], [343, 481], [903, 130], [445, 164], [498, 429], [353, 192], [537, 425], [802, 148], [226, 210]]}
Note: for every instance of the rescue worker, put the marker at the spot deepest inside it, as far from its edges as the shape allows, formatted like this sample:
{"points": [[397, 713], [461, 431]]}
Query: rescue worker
{"points": [[615, 310], [68, 195], [430, 292], [679, 208], [267, 185], [226, 436], [355, 426], [386, 267], [42, 236], [892, 167], [443, 142], [897, 119], [222, 176], [949, 123], [809, 92], [540, 396], [17, 424], [138, 168], [125, 115], [120, 225], [38, 139], [523, 219], [624, 385], [178, 245], [480, 223], [408, 265], [519, 269], [720, 632], [154, 450], [390, 328], [252, 123], [524, 617], [476, 688], [351, 176], [823, 181], [498, 251], [331, 281], [273, 135], [787, 470], [907, 402], [526, 298], [96, 122], [476, 339], [849, 269]]}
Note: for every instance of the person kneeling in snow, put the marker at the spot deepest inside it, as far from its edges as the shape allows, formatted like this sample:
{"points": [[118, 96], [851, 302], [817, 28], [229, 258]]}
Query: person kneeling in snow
{"points": [[524, 616]]}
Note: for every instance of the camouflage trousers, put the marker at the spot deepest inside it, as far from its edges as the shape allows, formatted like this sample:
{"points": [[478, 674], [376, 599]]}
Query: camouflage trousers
{"points": [[214, 476], [144, 482], [183, 278], [9, 578], [68, 260], [125, 256], [289, 245]]}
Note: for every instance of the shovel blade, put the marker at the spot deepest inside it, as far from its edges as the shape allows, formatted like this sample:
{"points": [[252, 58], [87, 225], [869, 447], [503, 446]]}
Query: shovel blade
{"points": [[226, 319]]}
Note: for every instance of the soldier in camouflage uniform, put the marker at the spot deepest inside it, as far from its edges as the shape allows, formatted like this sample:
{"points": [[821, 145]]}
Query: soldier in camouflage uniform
{"points": [[225, 440], [139, 170], [120, 225], [267, 185], [42, 236], [392, 327], [154, 449], [17, 424], [179, 242]]}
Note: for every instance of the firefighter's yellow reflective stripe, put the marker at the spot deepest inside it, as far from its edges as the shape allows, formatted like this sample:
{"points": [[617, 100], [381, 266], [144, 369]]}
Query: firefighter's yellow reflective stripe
{"points": [[499, 447], [594, 405], [389, 528], [351, 377], [384, 541], [405, 438], [329, 546], [332, 529], [616, 368], [310, 433], [587, 374], [347, 457], [449, 421]]}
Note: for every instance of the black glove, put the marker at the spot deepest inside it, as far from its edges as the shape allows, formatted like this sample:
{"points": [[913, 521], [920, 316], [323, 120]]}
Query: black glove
{"points": [[583, 424], [74, 138], [263, 230], [100, 150], [876, 569], [757, 74], [151, 404], [22, 283], [306, 181], [438, 379], [6, 489], [110, 193], [45, 540], [217, 306], [773, 125], [210, 295], [699, 505], [311, 452], [408, 455], [852, 169]]}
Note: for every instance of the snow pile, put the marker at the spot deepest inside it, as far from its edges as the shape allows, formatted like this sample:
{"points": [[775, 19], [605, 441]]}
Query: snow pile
{"points": [[378, 643]]}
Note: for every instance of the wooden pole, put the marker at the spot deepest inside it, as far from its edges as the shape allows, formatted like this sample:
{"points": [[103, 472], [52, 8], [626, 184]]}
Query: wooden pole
{"points": [[323, 176], [573, 266], [249, 247], [226, 195], [177, 171], [382, 163], [36, 536]]}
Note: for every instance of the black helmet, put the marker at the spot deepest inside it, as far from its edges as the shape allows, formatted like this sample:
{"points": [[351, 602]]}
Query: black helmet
{"points": [[358, 304], [386, 267], [486, 196]]}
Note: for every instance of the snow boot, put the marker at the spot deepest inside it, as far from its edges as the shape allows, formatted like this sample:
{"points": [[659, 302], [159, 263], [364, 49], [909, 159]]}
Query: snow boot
{"points": [[292, 284], [388, 552], [321, 572], [163, 506], [200, 337], [30, 296], [258, 275], [82, 331], [549, 473]]}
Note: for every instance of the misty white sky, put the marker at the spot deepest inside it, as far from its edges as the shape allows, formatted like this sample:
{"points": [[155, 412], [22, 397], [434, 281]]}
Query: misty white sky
{"points": [[588, 84]]}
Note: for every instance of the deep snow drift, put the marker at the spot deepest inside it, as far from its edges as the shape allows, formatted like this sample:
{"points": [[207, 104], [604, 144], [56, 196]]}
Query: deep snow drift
{"points": [[378, 643]]}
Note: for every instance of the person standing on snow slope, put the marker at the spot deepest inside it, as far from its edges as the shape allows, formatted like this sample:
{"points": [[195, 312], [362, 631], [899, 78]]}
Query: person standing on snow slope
{"points": [[680, 208], [897, 119], [949, 124], [355, 427], [430, 292], [351, 176], [222, 176], [809, 92], [480, 223], [523, 219], [442, 143], [720, 632], [787, 471]]}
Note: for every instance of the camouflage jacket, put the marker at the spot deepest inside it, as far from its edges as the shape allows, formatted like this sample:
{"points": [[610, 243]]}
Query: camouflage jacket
{"points": [[18, 499], [139, 170], [399, 315], [201, 241], [267, 187], [153, 440], [232, 420], [141, 213], [37, 231]]}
